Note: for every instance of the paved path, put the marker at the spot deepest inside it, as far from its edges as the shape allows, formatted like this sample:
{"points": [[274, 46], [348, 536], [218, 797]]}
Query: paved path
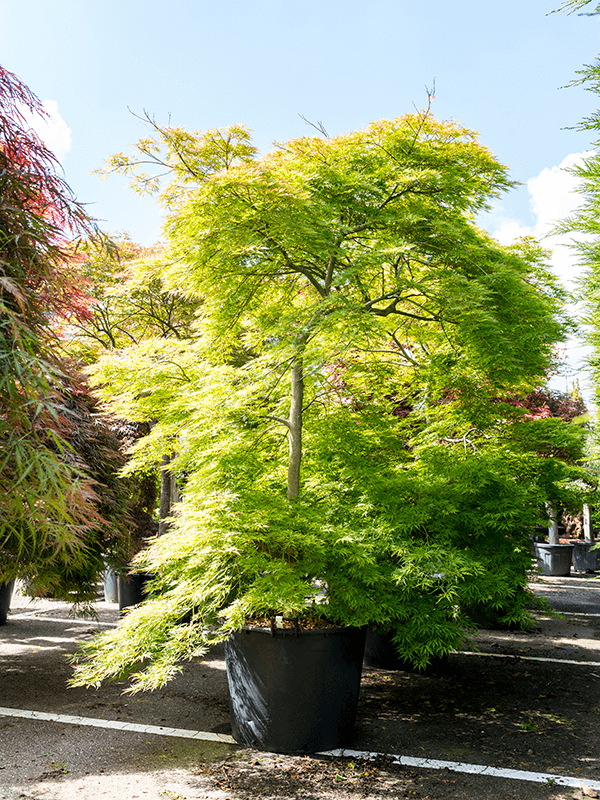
{"points": [[59, 743]]}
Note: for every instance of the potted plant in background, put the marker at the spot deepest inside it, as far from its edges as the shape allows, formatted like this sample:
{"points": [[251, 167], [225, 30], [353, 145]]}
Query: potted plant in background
{"points": [[555, 426], [585, 555], [553, 557], [349, 313]]}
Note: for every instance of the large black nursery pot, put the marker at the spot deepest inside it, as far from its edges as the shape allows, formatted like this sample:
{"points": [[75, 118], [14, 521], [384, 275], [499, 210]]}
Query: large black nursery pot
{"points": [[294, 690], [6, 590]]}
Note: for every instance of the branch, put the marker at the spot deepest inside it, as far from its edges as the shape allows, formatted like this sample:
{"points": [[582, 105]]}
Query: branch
{"points": [[175, 364], [392, 308], [329, 275], [464, 439], [402, 349], [318, 127], [278, 419]]}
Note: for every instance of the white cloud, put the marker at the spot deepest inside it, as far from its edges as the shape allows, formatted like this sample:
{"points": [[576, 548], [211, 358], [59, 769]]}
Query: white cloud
{"points": [[553, 196], [53, 130]]}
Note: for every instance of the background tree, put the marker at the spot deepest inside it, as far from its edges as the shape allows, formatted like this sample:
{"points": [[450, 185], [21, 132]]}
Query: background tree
{"points": [[128, 304], [51, 523], [570, 6], [127, 301]]}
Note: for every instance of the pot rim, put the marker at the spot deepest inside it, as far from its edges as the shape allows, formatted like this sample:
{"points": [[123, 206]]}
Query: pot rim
{"points": [[291, 631], [548, 544]]}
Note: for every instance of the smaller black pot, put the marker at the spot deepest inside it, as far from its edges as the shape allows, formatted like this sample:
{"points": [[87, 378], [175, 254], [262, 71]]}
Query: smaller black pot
{"points": [[6, 590], [131, 589], [381, 653]]}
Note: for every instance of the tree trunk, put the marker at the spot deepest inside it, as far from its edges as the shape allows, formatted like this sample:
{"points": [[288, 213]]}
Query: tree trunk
{"points": [[553, 527], [588, 531], [165, 495], [295, 430]]}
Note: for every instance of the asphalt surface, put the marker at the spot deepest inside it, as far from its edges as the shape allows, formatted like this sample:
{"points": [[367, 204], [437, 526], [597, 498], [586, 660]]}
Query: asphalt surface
{"points": [[58, 759]]}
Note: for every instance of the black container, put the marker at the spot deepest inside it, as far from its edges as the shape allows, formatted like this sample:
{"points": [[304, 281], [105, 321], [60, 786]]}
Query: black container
{"points": [[294, 692], [131, 589], [6, 590], [584, 558], [554, 559], [381, 653]]}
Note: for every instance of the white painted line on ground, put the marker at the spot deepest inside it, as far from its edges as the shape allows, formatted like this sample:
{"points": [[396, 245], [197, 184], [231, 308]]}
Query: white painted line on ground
{"points": [[561, 587], [35, 615], [472, 769], [158, 730], [28, 613], [409, 761], [576, 613], [528, 658]]}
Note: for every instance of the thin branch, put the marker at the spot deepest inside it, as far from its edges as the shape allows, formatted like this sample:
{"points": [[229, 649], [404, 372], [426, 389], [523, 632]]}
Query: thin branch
{"points": [[392, 308], [318, 127], [175, 364], [278, 419], [402, 349], [464, 439]]}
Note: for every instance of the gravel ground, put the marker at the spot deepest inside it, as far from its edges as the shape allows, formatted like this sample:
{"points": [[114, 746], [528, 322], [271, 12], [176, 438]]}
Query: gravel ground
{"points": [[517, 712]]}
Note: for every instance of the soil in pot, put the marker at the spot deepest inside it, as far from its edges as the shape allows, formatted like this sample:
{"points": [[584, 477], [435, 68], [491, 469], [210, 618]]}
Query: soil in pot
{"points": [[294, 691]]}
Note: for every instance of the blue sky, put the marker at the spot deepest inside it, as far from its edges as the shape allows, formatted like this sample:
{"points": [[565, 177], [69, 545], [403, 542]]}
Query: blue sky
{"points": [[498, 69]]}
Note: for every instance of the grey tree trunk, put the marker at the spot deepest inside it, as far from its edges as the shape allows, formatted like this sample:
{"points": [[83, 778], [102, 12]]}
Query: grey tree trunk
{"points": [[588, 531], [165, 495], [295, 430], [553, 527]]}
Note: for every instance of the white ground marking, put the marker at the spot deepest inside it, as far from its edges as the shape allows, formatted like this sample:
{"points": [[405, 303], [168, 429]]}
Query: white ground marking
{"points": [[528, 658], [577, 614], [36, 615], [94, 722], [409, 761], [472, 769]]}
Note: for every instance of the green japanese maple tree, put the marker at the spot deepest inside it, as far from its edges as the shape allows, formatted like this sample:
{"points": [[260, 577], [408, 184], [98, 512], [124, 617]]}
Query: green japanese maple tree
{"points": [[351, 308]]}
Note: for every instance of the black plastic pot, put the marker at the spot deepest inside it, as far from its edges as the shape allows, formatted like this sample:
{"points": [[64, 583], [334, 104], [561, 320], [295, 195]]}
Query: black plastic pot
{"points": [[381, 653], [538, 536], [131, 589], [6, 590], [294, 693], [554, 559], [584, 558]]}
